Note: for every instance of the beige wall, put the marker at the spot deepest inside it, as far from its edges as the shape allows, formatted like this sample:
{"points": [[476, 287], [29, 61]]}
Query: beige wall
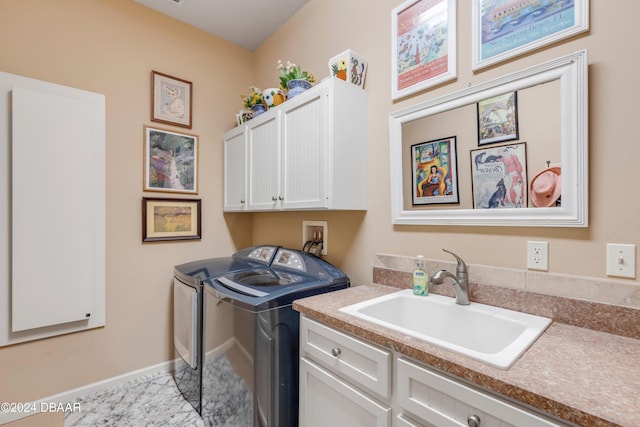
{"points": [[326, 27], [110, 46]]}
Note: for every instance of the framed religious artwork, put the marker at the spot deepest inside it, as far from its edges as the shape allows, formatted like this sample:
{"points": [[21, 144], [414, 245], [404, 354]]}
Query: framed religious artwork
{"points": [[423, 45], [499, 177], [435, 175], [171, 100], [502, 29], [498, 119], [170, 161]]}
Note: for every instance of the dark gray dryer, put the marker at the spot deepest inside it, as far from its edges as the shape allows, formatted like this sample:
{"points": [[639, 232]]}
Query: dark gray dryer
{"points": [[238, 336]]}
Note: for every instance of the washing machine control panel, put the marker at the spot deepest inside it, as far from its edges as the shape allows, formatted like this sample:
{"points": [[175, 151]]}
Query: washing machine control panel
{"points": [[262, 253], [286, 258]]}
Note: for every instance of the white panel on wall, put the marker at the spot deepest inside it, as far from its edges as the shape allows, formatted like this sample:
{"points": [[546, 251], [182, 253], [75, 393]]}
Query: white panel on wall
{"points": [[55, 219]]}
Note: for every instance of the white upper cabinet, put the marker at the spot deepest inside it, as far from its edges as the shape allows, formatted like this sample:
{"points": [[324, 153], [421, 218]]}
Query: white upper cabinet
{"points": [[308, 153]]}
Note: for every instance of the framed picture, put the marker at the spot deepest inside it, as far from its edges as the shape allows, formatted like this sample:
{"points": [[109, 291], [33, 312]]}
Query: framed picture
{"points": [[423, 45], [435, 174], [503, 29], [171, 219], [498, 119], [499, 177], [170, 161], [171, 100]]}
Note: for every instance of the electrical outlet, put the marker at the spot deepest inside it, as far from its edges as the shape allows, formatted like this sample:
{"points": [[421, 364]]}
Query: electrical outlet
{"points": [[538, 256]]}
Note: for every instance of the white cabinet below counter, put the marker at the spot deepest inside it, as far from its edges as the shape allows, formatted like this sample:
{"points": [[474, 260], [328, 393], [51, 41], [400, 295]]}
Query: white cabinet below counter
{"points": [[347, 381], [309, 153]]}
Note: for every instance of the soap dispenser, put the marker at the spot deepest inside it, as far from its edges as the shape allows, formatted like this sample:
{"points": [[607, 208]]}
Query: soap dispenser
{"points": [[420, 278]]}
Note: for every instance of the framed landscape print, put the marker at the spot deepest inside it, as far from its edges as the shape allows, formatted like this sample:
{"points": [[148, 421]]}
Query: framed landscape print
{"points": [[499, 177], [435, 175], [503, 29], [170, 161], [171, 219], [423, 45], [171, 100], [498, 119]]}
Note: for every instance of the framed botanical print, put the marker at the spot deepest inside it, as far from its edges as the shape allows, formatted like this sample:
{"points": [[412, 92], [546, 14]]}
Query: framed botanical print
{"points": [[503, 29], [170, 161], [423, 45], [435, 175], [171, 100], [499, 177], [498, 119]]}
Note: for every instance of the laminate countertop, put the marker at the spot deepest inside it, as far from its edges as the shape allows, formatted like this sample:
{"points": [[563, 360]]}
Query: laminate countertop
{"points": [[584, 376]]}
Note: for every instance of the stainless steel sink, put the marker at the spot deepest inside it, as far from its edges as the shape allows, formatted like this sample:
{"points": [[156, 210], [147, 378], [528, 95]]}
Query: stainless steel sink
{"points": [[489, 334]]}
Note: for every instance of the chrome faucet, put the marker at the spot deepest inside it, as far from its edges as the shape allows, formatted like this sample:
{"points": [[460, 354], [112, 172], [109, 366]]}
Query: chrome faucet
{"points": [[460, 280]]}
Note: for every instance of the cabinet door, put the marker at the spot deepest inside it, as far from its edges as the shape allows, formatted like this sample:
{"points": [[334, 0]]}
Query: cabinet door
{"points": [[326, 400], [264, 164], [235, 172], [304, 157]]}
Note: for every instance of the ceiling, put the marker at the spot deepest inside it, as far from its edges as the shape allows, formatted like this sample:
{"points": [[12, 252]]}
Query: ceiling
{"points": [[246, 23]]}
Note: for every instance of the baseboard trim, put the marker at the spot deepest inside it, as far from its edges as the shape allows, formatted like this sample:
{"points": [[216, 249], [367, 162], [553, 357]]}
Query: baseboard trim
{"points": [[71, 395]]}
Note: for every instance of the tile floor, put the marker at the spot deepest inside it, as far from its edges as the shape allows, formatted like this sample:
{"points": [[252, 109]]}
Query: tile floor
{"points": [[151, 401]]}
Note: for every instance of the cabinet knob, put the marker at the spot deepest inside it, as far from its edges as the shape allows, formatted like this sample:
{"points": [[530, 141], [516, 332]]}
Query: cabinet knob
{"points": [[274, 198], [336, 352], [473, 421], [280, 198], [242, 201]]}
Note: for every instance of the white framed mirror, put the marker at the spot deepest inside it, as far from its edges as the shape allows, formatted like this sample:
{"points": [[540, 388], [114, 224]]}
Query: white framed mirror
{"points": [[561, 84]]}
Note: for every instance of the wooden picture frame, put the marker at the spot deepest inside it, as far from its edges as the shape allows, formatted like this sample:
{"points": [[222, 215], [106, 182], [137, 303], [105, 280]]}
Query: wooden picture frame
{"points": [[171, 100], [498, 118], [170, 161], [503, 30], [171, 219], [423, 45], [499, 177], [435, 172]]}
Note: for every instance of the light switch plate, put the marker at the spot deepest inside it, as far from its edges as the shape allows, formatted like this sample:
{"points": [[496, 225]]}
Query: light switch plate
{"points": [[621, 260]]}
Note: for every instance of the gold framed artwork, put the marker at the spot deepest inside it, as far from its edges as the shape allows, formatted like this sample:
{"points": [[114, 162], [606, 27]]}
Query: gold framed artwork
{"points": [[171, 100], [171, 219], [170, 161]]}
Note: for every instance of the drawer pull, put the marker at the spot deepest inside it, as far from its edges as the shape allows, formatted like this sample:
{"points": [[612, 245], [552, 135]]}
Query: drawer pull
{"points": [[473, 421], [336, 352]]}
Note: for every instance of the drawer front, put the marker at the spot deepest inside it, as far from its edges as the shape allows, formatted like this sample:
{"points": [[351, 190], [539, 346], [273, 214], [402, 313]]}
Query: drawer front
{"points": [[357, 361], [444, 402]]}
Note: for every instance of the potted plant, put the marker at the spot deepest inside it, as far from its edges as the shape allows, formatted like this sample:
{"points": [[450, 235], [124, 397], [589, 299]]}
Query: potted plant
{"points": [[254, 101], [294, 79]]}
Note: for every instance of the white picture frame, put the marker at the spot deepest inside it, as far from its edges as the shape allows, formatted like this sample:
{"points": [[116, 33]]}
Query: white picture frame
{"points": [[502, 31], [423, 45]]}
